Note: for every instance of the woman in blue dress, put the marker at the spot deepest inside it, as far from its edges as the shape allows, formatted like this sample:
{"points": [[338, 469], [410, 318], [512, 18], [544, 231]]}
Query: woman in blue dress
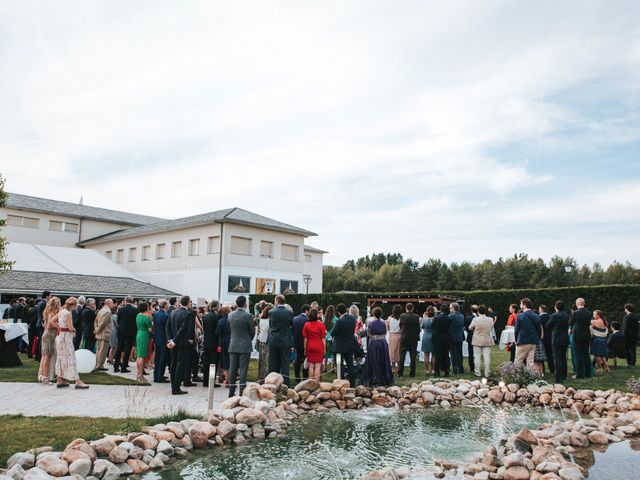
{"points": [[223, 331], [377, 366], [427, 343]]}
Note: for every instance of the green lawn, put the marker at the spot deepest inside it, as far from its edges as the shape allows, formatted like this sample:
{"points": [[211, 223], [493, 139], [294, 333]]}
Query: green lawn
{"points": [[28, 373]]}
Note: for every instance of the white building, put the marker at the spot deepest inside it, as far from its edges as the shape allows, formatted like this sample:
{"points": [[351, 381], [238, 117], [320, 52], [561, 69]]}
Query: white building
{"points": [[213, 255]]}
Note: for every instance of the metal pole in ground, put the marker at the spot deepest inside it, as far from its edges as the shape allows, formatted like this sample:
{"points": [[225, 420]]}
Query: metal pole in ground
{"points": [[212, 383], [338, 365]]}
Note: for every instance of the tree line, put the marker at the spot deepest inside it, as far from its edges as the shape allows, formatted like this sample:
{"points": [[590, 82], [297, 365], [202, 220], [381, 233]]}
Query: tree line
{"points": [[390, 272]]}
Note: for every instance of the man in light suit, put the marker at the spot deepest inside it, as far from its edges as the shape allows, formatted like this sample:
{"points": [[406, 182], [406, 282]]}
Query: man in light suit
{"points": [[280, 338], [102, 332], [243, 329]]}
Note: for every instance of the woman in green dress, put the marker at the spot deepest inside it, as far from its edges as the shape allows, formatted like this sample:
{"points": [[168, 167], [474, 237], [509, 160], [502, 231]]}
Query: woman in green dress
{"points": [[145, 327]]}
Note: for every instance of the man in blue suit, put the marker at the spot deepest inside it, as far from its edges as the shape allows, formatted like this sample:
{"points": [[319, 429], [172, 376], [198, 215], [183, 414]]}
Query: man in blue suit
{"points": [[280, 338], [298, 342], [160, 342], [528, 333], [457, 337], [343, 334]]}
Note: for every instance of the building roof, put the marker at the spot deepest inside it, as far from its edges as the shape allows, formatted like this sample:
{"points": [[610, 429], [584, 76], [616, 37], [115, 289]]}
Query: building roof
{"points": [[232, 215], [46, 205], [309, 248], [22, 282]]}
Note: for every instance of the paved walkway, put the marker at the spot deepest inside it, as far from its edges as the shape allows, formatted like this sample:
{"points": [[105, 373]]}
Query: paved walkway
{"points": [[115, 401]]}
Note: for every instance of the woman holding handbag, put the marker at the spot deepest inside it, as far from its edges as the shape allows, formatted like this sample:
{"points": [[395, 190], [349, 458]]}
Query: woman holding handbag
{"points": [[315, 343]]}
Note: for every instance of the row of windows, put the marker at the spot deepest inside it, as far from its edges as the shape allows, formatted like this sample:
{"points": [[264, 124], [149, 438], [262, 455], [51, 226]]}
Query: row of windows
{"points": [[239, 246], [30, 222]]}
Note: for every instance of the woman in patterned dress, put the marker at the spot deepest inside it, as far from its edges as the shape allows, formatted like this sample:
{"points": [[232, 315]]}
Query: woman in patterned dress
{"points": [[66, 369], [48, 341]]}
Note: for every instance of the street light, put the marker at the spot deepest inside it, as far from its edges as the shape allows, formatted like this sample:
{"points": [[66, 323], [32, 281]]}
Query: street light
{"points": [[568, 269], [307, 281]]}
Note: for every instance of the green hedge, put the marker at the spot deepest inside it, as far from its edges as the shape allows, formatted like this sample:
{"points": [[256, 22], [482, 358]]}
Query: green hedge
{"points": [[610, 299]]}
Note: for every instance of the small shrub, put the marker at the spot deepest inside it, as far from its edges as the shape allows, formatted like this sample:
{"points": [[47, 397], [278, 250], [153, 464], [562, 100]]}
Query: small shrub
{"points": [[633, 385], [520, 374]]}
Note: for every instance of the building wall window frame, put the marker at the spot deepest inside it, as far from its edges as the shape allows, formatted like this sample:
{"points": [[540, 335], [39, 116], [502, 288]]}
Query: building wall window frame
{"points": [[266, 249], [120, 255], [56, 226], [289, 252], [132, 254], [21, 221], [241, 245], [145, 253], [308, 258], [160, 250], [176, 249], [194, 247], [108, 254], [213, 245]]}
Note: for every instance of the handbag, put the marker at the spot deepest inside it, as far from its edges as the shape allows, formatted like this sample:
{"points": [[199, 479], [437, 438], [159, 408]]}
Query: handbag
{"points": [[305, 364]]}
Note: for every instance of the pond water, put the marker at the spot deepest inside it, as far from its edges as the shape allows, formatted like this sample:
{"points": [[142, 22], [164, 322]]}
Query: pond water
{"points": [[351, 444]]}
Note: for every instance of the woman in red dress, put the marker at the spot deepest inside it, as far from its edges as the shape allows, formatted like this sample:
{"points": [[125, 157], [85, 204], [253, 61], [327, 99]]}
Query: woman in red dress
{"points": [[315, 340]]}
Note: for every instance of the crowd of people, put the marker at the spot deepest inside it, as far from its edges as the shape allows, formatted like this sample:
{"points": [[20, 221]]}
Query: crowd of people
{"points": [[185, 339]]}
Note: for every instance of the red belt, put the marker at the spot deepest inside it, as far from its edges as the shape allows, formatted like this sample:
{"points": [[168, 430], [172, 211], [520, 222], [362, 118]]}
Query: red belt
{"points": [[65, 330]]}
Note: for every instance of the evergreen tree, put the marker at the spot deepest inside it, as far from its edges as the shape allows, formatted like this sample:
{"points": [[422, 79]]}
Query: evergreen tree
{"points": [[4, 263]]}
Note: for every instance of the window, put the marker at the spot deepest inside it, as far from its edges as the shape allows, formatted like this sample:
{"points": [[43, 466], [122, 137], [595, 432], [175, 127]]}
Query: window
{"points": [[146, 251], [160, 251], [176, 249], [108, 254], [289, 252], [213, 245], [240, 245], [132, 254], [18, 221], [266, 249], [194, 247], [307, 258], [120, 255], [63, 226]]}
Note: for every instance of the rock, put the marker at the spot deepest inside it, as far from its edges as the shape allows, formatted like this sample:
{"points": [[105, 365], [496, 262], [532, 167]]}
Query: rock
{"points": [[16, 472], [156, 464], [200, 432], [599, 438], [549, 476], [147, 441], [579, 439], [180, 452], [513, 460], [72, 455], [570, 473], [128, 445], [138, 466], [310, 385], [495, 396], [25, 460], [164, 447], [338, 384], [250, 416], [231, 403], [124, 468], [247, 402], [226, 429], [105, 470], [274, 378], [228, 415], [103, 446], [162, 435], [136, 453], [53, 465], [184, 442], [37, 474], [516, 473], [266, 394], [118, 455], [81, 466], [527, 436]]}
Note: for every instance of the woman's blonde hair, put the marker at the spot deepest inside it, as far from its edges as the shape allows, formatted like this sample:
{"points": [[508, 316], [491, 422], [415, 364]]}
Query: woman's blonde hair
{"points": [[70, 303], [52, 308], [354, 310]]}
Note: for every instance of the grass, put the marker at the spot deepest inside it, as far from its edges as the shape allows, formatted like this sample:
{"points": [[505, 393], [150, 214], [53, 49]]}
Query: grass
{"points": [[28, 373], [19, 433]]}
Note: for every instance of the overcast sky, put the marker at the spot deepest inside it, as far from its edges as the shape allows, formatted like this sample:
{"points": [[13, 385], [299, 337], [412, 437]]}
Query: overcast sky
{"points": [[458, 130]]}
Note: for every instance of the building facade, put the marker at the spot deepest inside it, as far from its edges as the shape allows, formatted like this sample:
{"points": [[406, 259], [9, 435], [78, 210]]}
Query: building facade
{"points": [[217, 255]]}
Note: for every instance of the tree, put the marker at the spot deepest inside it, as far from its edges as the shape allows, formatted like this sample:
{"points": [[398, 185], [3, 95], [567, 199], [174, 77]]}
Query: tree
{"points": [[4, 263]]}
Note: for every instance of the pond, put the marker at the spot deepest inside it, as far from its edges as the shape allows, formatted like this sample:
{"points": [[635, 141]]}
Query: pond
{"points": [[349, 445]]}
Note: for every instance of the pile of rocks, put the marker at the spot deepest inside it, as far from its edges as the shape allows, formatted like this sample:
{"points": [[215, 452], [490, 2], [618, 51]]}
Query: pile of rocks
{"points": [[267, 410]]}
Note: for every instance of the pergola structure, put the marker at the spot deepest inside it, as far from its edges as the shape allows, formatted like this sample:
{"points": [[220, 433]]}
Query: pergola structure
{"points": [[417, 299]]}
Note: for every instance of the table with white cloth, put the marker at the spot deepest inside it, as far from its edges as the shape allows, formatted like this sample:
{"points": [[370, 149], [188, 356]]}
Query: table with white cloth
{"points": [[10, 333], [507, 336]]}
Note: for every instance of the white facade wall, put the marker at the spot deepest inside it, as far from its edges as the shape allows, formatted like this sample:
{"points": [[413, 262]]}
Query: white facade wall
{"points": [[43, 235], [313, 269]]}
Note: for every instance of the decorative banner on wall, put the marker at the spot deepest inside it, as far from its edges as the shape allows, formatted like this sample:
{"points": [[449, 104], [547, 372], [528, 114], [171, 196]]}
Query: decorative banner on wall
{"points": [[288, 286], [239, 284], [265, 286]]}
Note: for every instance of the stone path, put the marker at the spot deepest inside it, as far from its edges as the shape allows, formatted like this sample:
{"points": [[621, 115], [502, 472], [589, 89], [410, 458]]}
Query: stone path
{"points": [[115, 401]]}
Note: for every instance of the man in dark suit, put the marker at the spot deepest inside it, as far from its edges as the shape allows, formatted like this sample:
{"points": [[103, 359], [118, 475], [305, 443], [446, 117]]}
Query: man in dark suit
{"points": [[160, 318], [467, 322], [546, 336], [298, 342], [528, 333], [409, 336], [580, 324], [210, 340], [630, 331], [127, 331], [243, 328], [42, 304], [181, 328], [441, 338], [88, 319], [457, 337], [558, 325], [343, 334], [280, 338]]}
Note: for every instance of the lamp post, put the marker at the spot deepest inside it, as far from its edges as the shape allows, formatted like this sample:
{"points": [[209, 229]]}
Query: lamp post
{"points": [[307, 281], [568, 268]]}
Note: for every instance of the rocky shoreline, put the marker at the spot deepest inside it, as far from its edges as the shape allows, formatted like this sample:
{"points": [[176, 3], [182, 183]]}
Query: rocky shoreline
{"points": [[267, 411]]}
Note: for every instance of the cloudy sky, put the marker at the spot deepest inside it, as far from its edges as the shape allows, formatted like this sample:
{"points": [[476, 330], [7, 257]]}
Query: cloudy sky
{"points": [[459, 130]]}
